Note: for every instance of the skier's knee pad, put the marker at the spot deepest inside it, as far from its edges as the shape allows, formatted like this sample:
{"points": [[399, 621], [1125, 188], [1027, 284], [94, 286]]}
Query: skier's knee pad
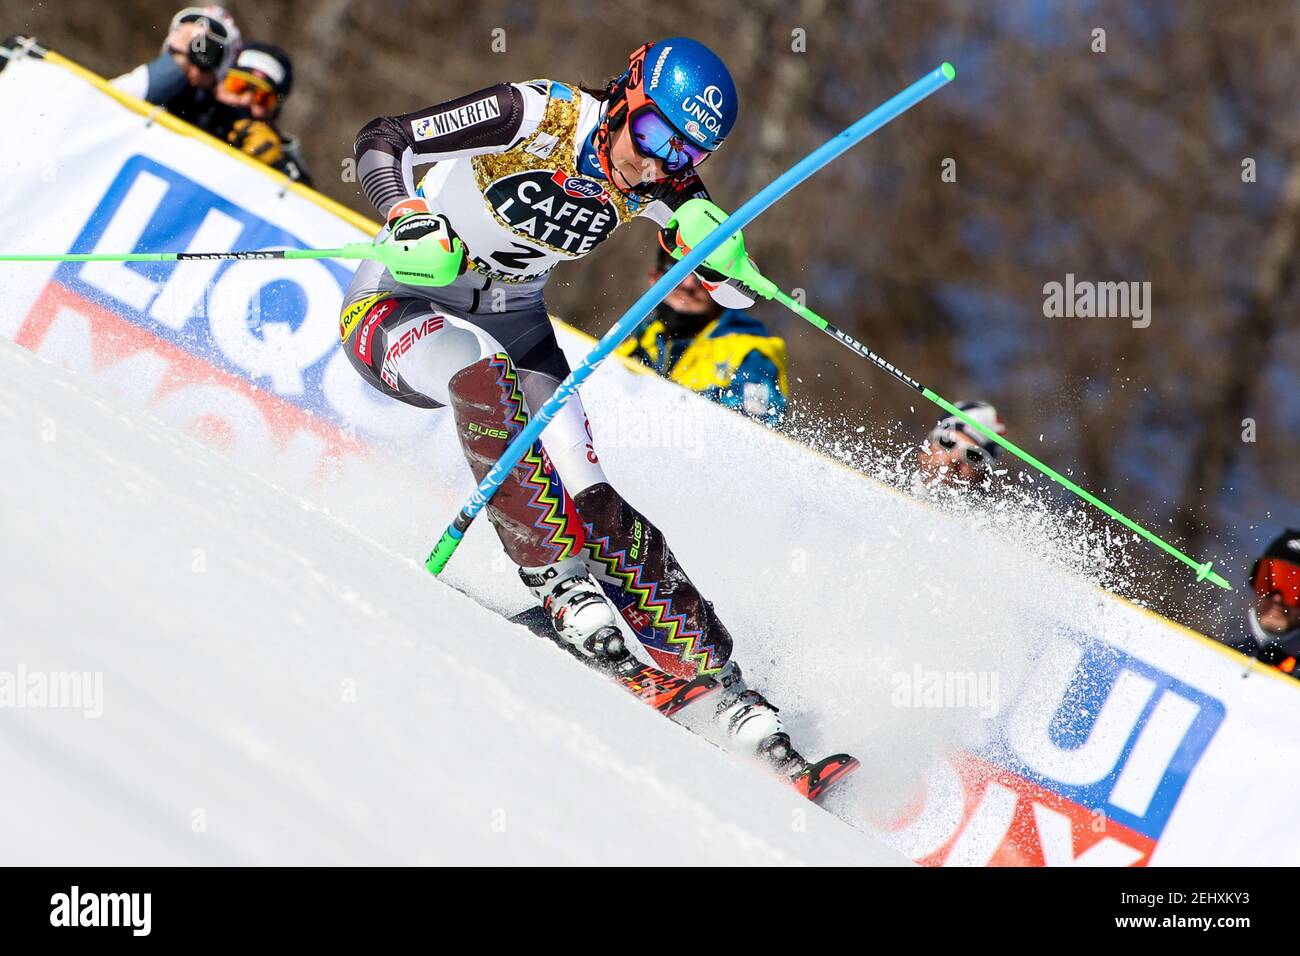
{"points": [[632, 561], [533, 514]]}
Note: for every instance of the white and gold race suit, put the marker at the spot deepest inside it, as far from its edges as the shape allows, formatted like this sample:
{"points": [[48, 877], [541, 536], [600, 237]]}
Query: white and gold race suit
{"points": [[515, 172]]}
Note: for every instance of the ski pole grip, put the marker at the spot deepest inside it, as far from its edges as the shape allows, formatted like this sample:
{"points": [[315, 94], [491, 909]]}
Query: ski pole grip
{"points": [[442, 552], [449, 542]]}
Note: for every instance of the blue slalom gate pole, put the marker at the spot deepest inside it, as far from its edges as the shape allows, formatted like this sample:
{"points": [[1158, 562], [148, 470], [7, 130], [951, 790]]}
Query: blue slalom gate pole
{"points": [[620, 330]]}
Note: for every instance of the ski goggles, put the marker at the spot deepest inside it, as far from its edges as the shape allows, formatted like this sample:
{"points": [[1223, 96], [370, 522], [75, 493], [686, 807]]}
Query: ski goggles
{"points": [[1274, 576], [240, 82], [975, 454], [655, 138]]}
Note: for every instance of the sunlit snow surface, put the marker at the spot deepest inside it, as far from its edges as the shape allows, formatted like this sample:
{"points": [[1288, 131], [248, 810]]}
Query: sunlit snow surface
{"points": [[284, 683], [279, 687]]}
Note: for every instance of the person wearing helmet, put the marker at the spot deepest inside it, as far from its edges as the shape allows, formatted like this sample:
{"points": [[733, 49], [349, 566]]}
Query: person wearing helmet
{"points": [[201, 44], [726, 355], [527, 176], [1272, 622], [957, 455], [256, 85]]}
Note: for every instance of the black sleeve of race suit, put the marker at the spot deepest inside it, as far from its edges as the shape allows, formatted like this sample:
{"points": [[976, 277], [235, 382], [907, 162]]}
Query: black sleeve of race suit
{"points": [[484, 122]]}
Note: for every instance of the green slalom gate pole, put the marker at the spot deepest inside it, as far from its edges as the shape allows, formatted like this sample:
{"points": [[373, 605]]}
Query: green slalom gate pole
{"points": [[405, 264], [1204, 572], [353, 250]]}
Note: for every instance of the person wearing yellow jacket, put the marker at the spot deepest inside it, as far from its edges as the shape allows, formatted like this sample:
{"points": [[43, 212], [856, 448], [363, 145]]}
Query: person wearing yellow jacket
{"points": [[726, 355]]}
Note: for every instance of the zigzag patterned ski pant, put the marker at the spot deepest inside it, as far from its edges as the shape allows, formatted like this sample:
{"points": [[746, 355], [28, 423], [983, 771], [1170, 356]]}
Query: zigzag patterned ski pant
{"points": [[491, 368]]}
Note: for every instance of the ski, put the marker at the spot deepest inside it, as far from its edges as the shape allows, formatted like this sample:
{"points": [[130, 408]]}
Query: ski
{"points": [[661, 690], [816, 778], [669, 694], [812, 779]]}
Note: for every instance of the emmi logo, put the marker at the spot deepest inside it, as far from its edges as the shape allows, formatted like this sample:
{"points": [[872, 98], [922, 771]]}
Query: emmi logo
{"points": [[102, 909]]}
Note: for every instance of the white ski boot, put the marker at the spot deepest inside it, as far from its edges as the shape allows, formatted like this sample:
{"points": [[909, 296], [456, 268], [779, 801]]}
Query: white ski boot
{"points": [[753, 726], [745, 714], [583, 619]]}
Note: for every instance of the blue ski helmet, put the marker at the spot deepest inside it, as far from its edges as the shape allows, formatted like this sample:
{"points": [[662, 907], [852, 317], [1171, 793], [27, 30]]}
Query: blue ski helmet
{"points": [[689, 85]]}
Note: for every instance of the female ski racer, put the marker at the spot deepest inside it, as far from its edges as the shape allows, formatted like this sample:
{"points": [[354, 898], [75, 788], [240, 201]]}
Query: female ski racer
{"points": [[526, 176]]}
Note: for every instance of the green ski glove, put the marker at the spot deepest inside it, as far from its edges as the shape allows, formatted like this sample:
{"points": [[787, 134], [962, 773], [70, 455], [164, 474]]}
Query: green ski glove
{"points": [[422, 249], [693, 222]]}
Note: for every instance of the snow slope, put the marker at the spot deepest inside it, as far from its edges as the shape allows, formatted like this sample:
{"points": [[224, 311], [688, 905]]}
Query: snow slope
{"points": [[834, 587], [279, 687]]}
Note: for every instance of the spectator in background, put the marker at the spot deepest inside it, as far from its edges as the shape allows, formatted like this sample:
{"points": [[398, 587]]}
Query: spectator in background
{"points": [[257, 84], [201, 44], [723, 354], [957, 455], [1272, 623]]}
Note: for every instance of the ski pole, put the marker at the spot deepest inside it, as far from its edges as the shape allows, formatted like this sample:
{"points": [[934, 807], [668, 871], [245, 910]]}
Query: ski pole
{"points": [[405, 264], [759, 202], [1203, 571], [353, 250]]}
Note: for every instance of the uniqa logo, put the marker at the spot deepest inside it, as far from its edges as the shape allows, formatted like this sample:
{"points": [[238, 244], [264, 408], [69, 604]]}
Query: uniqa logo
{"points": [[706, 107]]}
